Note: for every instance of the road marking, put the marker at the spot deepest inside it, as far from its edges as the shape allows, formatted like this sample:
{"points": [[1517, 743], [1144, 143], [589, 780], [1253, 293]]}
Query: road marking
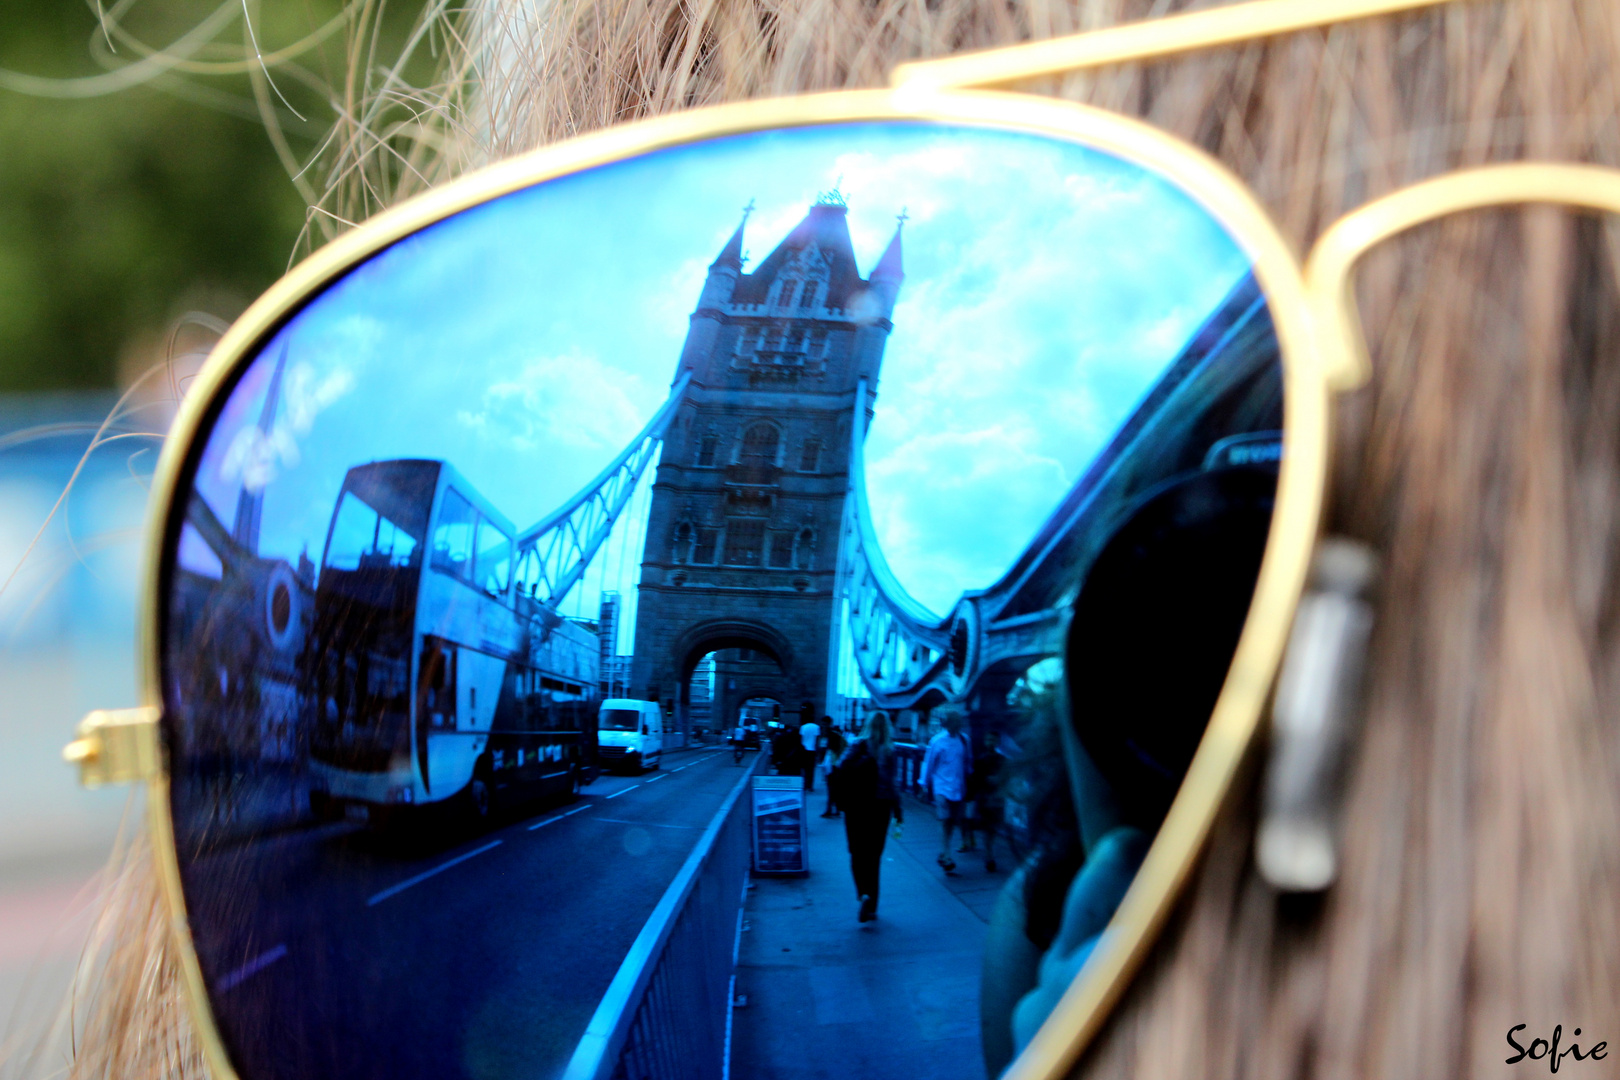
{"points": [[251, 968], [621, 791], [660, 776], [394, 890], [559, 817], [648, 824]]}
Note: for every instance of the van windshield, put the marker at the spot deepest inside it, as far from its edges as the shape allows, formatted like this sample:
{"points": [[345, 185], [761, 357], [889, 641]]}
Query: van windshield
{"points": [[621, 720]]}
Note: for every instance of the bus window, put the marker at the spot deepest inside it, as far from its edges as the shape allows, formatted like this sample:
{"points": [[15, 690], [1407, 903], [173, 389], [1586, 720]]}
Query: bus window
{"points": [[361, 536], [453, 536], [493, 565]]}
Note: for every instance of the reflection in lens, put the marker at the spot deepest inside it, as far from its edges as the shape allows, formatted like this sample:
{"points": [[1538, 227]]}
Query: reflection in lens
{"points": [[512, 559]]}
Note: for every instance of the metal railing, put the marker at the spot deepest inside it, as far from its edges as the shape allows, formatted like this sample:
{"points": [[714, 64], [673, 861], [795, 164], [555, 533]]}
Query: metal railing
{"points": [[666, 1014], [908, 767]]}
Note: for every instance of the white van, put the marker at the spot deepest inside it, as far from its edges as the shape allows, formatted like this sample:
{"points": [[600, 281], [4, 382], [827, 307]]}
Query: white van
{"points": [[630, 734]]}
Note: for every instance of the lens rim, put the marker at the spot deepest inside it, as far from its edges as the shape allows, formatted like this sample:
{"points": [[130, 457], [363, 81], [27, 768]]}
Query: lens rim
{"points": [[1235, 720]]}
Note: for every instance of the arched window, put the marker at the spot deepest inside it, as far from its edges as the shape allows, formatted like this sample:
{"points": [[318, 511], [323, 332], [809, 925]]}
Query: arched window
{"points": [[810, 456], [785, 297], [759, 445], [706, 450], [806, 553], [808, 296], [683, 542]]}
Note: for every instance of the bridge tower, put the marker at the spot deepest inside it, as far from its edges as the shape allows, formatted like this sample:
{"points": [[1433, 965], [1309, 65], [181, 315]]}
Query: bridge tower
{"points": [[742, 538]]}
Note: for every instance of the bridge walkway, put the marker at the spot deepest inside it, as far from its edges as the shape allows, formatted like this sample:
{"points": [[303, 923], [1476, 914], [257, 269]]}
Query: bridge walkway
{"points": [[830, 998]]}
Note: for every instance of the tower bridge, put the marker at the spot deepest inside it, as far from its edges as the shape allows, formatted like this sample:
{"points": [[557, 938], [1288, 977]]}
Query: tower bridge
{"points": [[742, 536], [759, 535]]}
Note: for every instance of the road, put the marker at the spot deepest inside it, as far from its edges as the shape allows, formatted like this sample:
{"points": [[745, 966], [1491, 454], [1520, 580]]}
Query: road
{"points": [[346, 954]]}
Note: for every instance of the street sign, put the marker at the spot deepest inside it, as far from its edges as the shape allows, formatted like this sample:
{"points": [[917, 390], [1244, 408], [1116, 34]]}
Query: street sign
{"points": [[779, 826]]}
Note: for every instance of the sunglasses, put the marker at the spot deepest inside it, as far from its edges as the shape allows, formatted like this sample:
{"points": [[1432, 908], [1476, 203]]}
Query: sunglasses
{"points": [[506, 545]]}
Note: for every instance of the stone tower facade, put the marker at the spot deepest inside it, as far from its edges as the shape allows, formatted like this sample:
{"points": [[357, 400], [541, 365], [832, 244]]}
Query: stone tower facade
{"points": [[742, 539]]}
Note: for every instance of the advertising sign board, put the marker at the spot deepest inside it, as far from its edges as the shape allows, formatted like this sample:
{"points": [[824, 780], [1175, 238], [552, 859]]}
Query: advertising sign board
{"points": [[779, 825]]}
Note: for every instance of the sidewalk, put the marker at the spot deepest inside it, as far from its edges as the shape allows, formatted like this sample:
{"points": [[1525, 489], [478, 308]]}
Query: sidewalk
{"points": [[830, 998]]}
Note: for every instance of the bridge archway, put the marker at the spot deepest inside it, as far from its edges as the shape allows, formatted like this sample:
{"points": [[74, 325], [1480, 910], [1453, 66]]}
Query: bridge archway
{"points": [[718, 634], [751, 660]]}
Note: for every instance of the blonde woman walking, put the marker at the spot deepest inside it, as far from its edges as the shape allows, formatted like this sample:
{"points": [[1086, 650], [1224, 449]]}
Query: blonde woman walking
{"points": [[863, 785]]}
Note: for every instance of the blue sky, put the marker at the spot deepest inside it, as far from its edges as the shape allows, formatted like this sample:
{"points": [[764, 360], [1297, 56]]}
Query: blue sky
{"points": [[526, 340]]}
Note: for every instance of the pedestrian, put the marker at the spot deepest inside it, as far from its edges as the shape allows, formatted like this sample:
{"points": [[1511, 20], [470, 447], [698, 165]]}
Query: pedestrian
{"points": [[809, 751], [863, 785], [984, 789], [945, 778], [836, 744], [784, 750]]}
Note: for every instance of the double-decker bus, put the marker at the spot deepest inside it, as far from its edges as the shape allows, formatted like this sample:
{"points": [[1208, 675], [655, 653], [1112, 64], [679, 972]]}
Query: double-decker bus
{"points": [[427, 675]]}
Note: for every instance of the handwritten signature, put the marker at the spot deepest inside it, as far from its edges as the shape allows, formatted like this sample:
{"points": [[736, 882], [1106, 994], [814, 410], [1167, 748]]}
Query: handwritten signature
{"points": [[1542, 1048]]}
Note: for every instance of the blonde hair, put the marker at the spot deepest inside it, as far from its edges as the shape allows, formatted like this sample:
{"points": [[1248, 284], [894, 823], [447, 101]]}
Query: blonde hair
{"points": [[879, 735], [1481, 869]]}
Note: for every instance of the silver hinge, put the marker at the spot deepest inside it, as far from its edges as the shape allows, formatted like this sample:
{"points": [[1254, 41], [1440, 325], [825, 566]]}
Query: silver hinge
{"points": [[1317, 703], [116, 746]]}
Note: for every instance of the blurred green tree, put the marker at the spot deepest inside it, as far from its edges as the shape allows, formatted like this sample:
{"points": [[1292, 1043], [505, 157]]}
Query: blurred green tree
{"points": [[133, 186]]}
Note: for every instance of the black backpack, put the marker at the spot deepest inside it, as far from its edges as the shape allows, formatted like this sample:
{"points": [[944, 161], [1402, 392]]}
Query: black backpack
{"points": [[853, 782]]}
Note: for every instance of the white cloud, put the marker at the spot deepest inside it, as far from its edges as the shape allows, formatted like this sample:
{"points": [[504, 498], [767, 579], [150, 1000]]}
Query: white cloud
{"points": [[571, 401], [256, 456], [954, 504]]}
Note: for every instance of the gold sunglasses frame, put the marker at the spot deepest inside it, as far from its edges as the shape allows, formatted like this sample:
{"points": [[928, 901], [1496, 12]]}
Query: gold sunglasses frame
{"points": [[1312, 306]]}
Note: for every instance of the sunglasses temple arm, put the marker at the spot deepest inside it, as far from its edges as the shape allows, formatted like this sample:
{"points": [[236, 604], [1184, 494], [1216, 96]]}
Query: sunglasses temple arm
{"points": [[1316, 705], [1150, 39]]}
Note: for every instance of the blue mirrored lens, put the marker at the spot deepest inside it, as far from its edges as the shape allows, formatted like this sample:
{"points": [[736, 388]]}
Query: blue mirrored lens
{"points": [[534, 584]]}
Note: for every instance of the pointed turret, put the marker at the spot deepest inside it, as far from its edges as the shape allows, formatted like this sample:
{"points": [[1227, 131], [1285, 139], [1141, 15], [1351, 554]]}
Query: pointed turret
{"points": [[888, 273], [731, 255], [250, 503], [723, 272], [719, 289], [888, 268]]}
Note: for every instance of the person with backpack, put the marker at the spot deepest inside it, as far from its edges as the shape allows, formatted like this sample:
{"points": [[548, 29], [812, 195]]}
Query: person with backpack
{"points": [[863, 787], [834, 745]]}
